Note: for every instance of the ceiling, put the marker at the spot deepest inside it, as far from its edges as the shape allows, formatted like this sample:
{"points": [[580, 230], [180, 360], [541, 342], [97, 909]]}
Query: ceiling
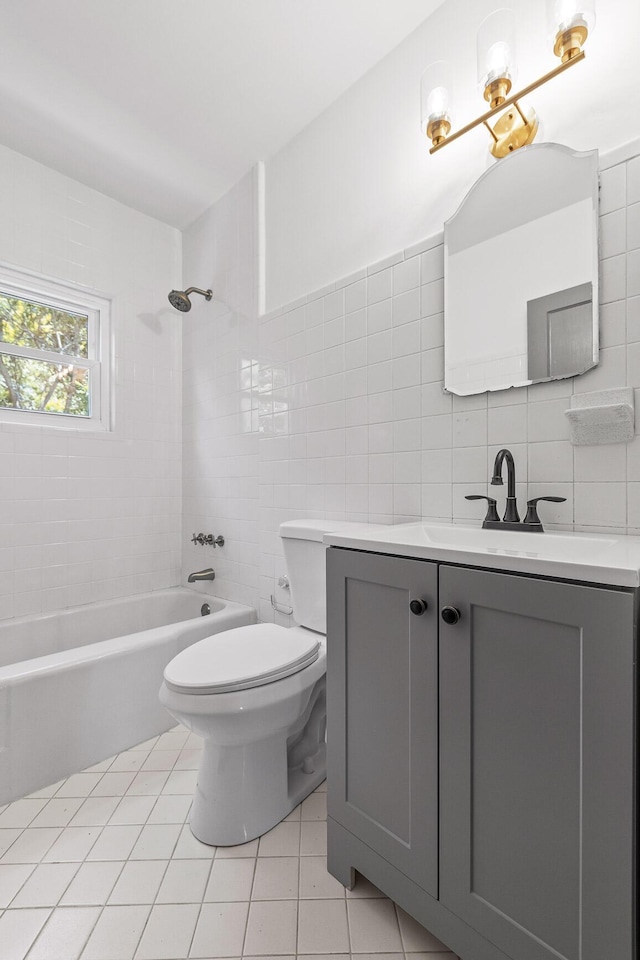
{"points": [[165, 104]]}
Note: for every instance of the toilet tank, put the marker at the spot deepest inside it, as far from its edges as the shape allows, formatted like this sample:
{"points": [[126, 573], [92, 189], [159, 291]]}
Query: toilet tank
{"points": [[305, 554]]}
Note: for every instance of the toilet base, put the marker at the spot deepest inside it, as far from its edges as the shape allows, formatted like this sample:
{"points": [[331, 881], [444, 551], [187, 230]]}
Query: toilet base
{"points": [[263, 752], [240, 794]]}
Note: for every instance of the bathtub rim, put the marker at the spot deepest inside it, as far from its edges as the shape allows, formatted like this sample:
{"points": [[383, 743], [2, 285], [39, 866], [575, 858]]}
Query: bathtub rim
{"points": [[21, 670], [113, 602]]}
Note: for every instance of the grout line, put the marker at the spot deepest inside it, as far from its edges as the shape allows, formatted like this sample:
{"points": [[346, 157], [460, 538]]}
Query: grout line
{"points": [[249, 902], [142, 932], [20, 888], [195, 926]]}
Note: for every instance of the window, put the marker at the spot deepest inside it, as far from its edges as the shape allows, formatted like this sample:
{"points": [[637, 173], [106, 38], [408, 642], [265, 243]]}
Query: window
{"points": [[54, 357]]}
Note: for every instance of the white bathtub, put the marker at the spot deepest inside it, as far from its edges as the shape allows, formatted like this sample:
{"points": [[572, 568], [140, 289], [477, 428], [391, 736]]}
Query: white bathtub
{"points": [[80, 685]]}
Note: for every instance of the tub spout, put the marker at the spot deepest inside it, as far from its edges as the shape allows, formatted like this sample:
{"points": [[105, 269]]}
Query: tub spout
{"points": [[207, 574]]}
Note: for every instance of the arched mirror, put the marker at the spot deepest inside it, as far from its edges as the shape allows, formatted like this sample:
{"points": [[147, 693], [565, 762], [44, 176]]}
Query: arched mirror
{"points": [[521, 273]]}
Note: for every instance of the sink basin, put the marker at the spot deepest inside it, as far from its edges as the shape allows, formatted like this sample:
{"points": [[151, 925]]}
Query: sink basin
{"points": [[558, 546], [572, 556]]}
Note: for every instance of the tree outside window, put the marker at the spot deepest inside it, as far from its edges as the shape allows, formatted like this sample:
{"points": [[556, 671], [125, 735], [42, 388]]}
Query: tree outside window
{"points": [[50, 353], [27, 383]]}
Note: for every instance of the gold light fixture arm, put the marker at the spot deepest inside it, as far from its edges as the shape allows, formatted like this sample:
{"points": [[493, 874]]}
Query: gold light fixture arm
{"points": [[518, 108], [489, 128], [513, 100]]}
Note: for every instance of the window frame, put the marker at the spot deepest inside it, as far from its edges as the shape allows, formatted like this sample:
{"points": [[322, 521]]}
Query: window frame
{"points": [[36, 288]]}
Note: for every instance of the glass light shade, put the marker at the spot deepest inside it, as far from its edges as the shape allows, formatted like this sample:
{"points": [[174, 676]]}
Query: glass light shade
{"points": [[563, 15], [435, 94], [496, 45]]}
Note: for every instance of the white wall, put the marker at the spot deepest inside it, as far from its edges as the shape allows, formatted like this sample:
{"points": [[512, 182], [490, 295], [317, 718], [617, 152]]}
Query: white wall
{"points": [[368, 433], [340, 412], [221, 395], [359, 183], [91, 516], [331, 406]]}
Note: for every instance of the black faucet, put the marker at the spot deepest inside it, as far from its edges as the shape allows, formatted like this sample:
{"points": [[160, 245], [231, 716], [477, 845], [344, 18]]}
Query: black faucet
{"points": [[511, 519], [511, 514]]}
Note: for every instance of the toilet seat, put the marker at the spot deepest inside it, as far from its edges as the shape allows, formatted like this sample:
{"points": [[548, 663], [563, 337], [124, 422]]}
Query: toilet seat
{"points": [[241, 659]]}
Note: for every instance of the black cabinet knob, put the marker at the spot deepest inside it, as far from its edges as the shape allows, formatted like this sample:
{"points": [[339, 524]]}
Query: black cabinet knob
{"points": [[450, 615], [418, 607]]}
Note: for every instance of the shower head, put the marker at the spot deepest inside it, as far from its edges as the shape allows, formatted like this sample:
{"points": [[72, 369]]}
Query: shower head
{"points": [[180, 298]]}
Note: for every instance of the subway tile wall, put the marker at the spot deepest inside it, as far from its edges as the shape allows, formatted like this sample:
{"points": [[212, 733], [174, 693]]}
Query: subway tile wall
{"points": [[333, 406], [353, 421], [221, 392], [91, 516]]}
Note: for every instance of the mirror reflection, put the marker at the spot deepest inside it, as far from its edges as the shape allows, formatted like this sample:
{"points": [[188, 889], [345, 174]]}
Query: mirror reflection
{"points": [[521, 273]]}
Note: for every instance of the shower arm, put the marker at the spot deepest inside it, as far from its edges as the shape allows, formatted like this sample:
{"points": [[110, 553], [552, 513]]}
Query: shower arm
{"points": [[207, 294]]}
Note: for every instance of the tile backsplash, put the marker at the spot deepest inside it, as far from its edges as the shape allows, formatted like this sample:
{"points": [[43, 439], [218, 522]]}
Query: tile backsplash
{"points": [[331, 406], [354, 422]]}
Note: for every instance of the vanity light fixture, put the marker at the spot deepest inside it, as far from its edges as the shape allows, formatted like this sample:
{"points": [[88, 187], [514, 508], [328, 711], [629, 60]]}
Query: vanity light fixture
{"points": [[437, 84], [569, 23]]}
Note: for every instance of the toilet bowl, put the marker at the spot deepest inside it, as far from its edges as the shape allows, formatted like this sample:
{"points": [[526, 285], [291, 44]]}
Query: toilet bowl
{"points": [[256, 695]]}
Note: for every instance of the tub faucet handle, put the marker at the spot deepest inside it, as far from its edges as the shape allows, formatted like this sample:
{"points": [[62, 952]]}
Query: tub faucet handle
{"points": [[207, 539]]}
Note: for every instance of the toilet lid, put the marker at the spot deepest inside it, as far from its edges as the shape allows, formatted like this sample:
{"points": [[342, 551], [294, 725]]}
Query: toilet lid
{"points": [[241, 658]]}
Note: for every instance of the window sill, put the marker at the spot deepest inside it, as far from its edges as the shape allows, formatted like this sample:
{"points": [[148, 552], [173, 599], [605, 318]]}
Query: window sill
{"points": [[51, 421]]}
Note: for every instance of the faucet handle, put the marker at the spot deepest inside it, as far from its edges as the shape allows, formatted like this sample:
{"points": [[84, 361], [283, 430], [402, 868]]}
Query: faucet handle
{"points": [[532, 508], [492, 511]]}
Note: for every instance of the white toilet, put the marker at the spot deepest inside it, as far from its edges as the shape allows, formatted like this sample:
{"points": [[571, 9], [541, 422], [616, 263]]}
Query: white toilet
{"points": [[256, 695]]}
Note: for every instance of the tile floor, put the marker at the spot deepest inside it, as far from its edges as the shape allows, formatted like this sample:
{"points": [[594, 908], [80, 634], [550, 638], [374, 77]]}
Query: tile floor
{"points": [[103, 866]]}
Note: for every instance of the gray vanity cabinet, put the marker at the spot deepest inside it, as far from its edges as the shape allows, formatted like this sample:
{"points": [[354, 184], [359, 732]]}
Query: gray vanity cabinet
{"points": [[383, 714], [520, 842], [537, 764]]}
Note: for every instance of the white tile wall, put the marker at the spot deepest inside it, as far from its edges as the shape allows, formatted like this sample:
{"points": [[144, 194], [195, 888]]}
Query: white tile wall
{"points": [[365, 432], [83, 516], [223, 389]]}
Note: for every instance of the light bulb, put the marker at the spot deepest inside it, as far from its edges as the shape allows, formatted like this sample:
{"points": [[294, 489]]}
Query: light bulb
{"points": [[570, 22], [498, 60], [435, 101], [569, 13], [496, 56]]}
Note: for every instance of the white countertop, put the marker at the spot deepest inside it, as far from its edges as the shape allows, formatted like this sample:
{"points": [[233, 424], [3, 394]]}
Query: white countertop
{"points": [[593, 558]]}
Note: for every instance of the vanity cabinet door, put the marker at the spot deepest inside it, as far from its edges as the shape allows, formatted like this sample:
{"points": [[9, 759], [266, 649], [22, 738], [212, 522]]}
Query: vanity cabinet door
{"points": [[382, 707], [537, 764]]}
